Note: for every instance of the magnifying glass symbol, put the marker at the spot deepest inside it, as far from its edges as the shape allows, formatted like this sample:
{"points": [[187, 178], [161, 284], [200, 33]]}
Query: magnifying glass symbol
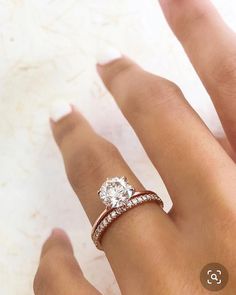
{"points": [[214, 277]]}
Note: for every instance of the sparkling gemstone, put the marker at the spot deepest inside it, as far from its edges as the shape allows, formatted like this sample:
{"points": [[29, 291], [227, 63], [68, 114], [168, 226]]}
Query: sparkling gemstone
{"points": [[113, 214], [100, 227], [135, 201], [116, 192], [119, 210], [129, 204]]}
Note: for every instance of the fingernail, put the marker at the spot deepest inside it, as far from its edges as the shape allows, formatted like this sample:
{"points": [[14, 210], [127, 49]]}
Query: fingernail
{"points": [[59, 110], [108, 55], [58, 232]]}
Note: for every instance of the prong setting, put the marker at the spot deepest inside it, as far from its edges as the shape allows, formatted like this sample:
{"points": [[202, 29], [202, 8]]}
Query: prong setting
{"points": [[115, 192]]}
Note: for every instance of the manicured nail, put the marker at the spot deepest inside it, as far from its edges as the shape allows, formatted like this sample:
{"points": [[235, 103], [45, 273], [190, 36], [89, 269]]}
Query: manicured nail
{"points": [[108, 55], [59, 110]]}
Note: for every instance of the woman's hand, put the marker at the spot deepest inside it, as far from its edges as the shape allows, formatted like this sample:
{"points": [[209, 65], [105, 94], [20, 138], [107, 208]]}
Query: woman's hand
{"points": [[152, 252]]}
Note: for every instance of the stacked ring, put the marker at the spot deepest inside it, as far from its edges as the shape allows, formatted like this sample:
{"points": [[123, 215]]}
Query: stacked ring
{"points": [[119, 197]]}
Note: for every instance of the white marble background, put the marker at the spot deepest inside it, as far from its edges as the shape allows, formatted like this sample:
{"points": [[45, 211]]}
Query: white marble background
{"points": [[47, 53]]}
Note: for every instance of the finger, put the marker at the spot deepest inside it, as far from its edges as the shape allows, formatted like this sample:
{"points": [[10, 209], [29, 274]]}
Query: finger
{"points": [[227, 147], [181, 147], [58, 272], [89, 160], [211, 47]]}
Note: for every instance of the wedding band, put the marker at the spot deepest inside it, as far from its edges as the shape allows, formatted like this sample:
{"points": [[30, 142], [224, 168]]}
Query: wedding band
{"points": [[119, 197]]}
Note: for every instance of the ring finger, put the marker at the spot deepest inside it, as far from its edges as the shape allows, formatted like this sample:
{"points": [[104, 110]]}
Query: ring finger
{"points": [[89, 160]]}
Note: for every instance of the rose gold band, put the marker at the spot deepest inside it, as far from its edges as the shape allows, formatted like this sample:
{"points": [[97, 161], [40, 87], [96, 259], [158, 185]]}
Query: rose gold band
{"points": [[108, 216]]}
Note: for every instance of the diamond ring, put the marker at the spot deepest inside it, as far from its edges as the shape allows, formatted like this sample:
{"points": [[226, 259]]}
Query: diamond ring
{"points": [[118, 196]]}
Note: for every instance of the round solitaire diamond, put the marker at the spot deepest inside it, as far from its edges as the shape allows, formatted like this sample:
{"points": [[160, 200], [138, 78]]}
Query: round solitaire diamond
{"points": [[116, 192]]}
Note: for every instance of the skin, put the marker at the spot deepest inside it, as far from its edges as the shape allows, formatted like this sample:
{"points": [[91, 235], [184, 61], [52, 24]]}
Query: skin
{"points": [[197, 169]]}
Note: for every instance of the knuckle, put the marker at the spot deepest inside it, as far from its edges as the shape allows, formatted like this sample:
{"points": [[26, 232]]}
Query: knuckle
{"points": [[170, 90], [92, 158], [185, 20], [159, 93]]}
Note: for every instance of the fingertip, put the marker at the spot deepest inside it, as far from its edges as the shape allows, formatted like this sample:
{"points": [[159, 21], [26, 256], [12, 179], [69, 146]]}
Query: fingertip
{"points": [[99, 69], [57, 240], [107, 55], [119, 70], [71, 125], [60, 110], [59, 233]]}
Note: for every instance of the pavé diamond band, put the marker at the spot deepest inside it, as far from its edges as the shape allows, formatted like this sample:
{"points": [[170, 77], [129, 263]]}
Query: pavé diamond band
{"points": [[119, 197]]}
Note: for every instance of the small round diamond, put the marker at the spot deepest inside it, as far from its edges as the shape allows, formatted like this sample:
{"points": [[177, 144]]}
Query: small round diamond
{"points": [[116, 192], [119, 210], [129, 204], [135, 201], [100, 228], [113, 214]]}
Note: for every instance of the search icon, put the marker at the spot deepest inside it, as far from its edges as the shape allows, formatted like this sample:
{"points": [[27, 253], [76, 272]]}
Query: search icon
{"points": [[214, 277]]}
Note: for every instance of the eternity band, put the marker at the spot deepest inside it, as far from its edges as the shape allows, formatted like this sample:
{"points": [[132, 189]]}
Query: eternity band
{"points": [[119, 197]]}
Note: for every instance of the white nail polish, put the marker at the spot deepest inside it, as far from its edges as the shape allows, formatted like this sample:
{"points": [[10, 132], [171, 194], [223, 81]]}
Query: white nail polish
{"points": [[59, 110], [108, 55]]}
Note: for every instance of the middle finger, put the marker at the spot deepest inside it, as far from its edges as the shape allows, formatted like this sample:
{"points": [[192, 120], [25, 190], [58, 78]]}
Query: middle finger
{"points": [[177, 141]]}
